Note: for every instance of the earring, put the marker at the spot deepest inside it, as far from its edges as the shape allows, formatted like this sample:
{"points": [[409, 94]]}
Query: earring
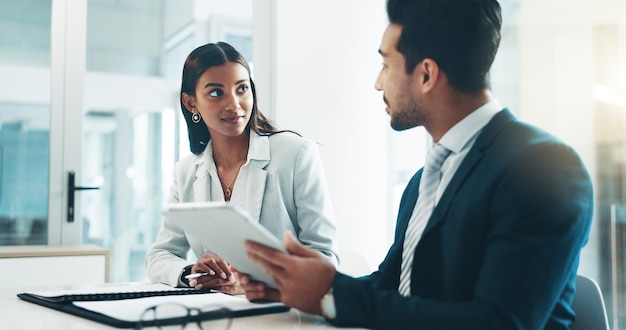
{"points": [[196, 117]]}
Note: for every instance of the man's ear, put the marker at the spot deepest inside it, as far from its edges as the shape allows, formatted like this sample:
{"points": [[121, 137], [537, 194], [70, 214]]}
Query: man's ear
{"points": [[427, 72], [189, 102]]}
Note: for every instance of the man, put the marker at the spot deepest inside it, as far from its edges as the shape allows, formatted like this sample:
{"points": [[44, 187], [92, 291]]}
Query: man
{"points": [[512, 204]]}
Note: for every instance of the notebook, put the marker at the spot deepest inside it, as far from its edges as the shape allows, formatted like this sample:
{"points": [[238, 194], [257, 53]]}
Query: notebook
{"points": [[62, 297], [123, 306]]}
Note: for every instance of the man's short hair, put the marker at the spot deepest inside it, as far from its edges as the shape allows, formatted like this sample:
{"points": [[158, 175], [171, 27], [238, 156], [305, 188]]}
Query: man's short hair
{"points": [[462, 36]]}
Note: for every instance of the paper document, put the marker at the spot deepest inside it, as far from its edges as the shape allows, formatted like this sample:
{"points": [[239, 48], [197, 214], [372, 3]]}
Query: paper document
{"points": [[132, 309]]}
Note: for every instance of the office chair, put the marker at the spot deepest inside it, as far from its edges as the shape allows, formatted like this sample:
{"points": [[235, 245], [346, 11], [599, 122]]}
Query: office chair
{"points": [[589, 306]]}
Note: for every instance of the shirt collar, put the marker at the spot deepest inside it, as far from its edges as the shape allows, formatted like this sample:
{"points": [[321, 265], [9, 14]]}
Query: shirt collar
{"points": [[457, 137], [259, 148]]}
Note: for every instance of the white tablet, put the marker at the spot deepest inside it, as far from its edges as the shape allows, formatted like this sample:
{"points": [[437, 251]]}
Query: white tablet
{"points": [[223, 228]]}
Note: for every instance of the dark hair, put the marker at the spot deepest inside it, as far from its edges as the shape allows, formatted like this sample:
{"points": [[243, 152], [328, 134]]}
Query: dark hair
{"points": [[462, 36], [198, 61]]}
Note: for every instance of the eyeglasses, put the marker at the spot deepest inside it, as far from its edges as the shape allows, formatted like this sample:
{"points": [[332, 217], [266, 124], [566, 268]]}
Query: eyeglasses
{"points": [[176, 316]]}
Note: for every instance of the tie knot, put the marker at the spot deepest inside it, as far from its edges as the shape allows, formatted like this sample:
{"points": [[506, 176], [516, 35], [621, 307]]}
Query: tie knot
{"points": [[435, 157]]}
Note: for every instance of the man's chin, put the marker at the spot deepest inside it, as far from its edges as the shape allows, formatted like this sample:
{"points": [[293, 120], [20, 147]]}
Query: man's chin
{"points": [[400, 126]]}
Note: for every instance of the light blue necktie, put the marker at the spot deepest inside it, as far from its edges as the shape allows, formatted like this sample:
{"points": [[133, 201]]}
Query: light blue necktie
{"points": [[424, 208]]}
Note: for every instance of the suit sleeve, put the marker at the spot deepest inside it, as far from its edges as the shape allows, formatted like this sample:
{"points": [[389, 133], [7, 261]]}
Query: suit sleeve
{"points": [[537, 218], [166, 257]]}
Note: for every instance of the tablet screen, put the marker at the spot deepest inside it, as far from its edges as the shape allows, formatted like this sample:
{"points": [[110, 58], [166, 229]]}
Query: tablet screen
{"points": [[222, 228]]}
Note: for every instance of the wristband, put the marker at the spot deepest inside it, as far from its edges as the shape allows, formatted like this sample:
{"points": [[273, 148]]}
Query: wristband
{"points": [[186, 271]]}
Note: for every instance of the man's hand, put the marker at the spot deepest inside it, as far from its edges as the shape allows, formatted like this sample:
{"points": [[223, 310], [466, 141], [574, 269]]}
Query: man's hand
{"points": [[303, 276]]}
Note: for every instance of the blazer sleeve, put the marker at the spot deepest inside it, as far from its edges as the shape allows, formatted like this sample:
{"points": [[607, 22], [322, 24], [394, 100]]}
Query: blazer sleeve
{"points": [[537, 217], [166, 257], [314, 213]]}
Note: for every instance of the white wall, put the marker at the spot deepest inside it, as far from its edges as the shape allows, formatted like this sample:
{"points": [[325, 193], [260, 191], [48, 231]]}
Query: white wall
{"points": [[321, 84], [556, 52]]}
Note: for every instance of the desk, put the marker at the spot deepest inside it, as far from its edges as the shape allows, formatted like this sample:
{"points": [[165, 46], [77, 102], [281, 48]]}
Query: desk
{"points": [[64, 265], [17, 314]]}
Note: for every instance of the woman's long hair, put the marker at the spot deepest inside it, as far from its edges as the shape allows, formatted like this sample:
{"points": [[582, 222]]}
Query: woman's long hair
{"points": [[198, 61]]}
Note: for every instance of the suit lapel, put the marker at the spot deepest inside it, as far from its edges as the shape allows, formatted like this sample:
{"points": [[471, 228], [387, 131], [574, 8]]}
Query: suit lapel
{"points": [[473, 157], [202, 184], [256, 187], [407, 204], [257, 175]]}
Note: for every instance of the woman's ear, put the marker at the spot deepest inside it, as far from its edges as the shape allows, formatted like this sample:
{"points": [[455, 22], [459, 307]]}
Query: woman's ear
{"points": [[189, 102]]}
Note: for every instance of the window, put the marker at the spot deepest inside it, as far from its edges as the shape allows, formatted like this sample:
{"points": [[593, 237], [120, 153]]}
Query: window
{"points": [[24, 121], [133, 128]]}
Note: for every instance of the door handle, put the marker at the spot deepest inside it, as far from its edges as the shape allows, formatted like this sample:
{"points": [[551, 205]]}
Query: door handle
{"points": [[71, 189]]}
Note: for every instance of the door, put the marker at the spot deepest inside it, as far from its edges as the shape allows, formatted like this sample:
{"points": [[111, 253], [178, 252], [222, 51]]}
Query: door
{"points": [[42, 80], [24, 123]]}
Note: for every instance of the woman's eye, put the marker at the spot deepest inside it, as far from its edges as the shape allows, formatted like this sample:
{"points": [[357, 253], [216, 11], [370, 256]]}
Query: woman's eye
{"points": [[216, 93], [242, 88]]}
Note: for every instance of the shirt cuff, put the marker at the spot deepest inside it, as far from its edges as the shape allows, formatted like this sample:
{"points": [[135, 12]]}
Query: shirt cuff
{"points": [[328, 305]]}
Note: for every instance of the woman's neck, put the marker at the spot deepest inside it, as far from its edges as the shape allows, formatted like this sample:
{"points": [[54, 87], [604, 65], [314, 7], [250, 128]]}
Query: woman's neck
{"points": [[230, 151]]}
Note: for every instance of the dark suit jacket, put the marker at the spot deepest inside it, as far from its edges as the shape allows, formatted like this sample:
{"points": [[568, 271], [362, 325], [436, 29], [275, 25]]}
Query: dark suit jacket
{"points": [[500, 250]]}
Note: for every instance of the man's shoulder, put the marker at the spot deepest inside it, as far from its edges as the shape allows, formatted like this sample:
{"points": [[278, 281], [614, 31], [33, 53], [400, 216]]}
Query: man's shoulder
{"points": [[507, 132]]}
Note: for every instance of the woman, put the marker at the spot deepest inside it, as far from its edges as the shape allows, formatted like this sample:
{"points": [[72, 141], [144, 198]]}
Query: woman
{"points": [[241, 158]]}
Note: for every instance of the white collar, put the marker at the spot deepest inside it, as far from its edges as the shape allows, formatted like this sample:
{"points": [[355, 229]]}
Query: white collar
{"points": [[457, 137]]}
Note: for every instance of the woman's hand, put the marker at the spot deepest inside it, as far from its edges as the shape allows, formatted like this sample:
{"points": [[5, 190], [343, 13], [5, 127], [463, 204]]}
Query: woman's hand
{"points": [[219, 275], [257, 291], [302, 275]]}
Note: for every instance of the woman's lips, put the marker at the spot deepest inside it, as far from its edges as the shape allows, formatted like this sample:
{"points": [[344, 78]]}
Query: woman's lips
{"points": [[233, 120]]}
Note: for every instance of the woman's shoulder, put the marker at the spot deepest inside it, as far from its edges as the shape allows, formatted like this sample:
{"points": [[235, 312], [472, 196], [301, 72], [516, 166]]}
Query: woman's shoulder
{"points": [[188, 161], [288, 144], [288, 139]]}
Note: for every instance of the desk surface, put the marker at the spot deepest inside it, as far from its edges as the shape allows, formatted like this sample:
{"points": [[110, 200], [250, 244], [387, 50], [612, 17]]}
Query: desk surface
{"points": [[18, 314], [25, 251]]}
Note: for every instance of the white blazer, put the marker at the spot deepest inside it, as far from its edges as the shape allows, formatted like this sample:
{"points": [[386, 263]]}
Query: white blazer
{"points": [[286, 190]]}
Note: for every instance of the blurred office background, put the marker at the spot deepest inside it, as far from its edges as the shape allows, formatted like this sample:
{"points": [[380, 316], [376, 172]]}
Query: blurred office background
{"points": [[91, 86]]}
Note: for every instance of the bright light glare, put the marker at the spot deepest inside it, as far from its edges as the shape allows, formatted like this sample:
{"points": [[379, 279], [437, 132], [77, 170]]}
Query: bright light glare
{"points": [[608, 95]]}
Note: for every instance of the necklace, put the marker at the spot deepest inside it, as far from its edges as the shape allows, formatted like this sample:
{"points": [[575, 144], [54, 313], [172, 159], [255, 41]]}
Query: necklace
{"points": [[228, 191]]}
